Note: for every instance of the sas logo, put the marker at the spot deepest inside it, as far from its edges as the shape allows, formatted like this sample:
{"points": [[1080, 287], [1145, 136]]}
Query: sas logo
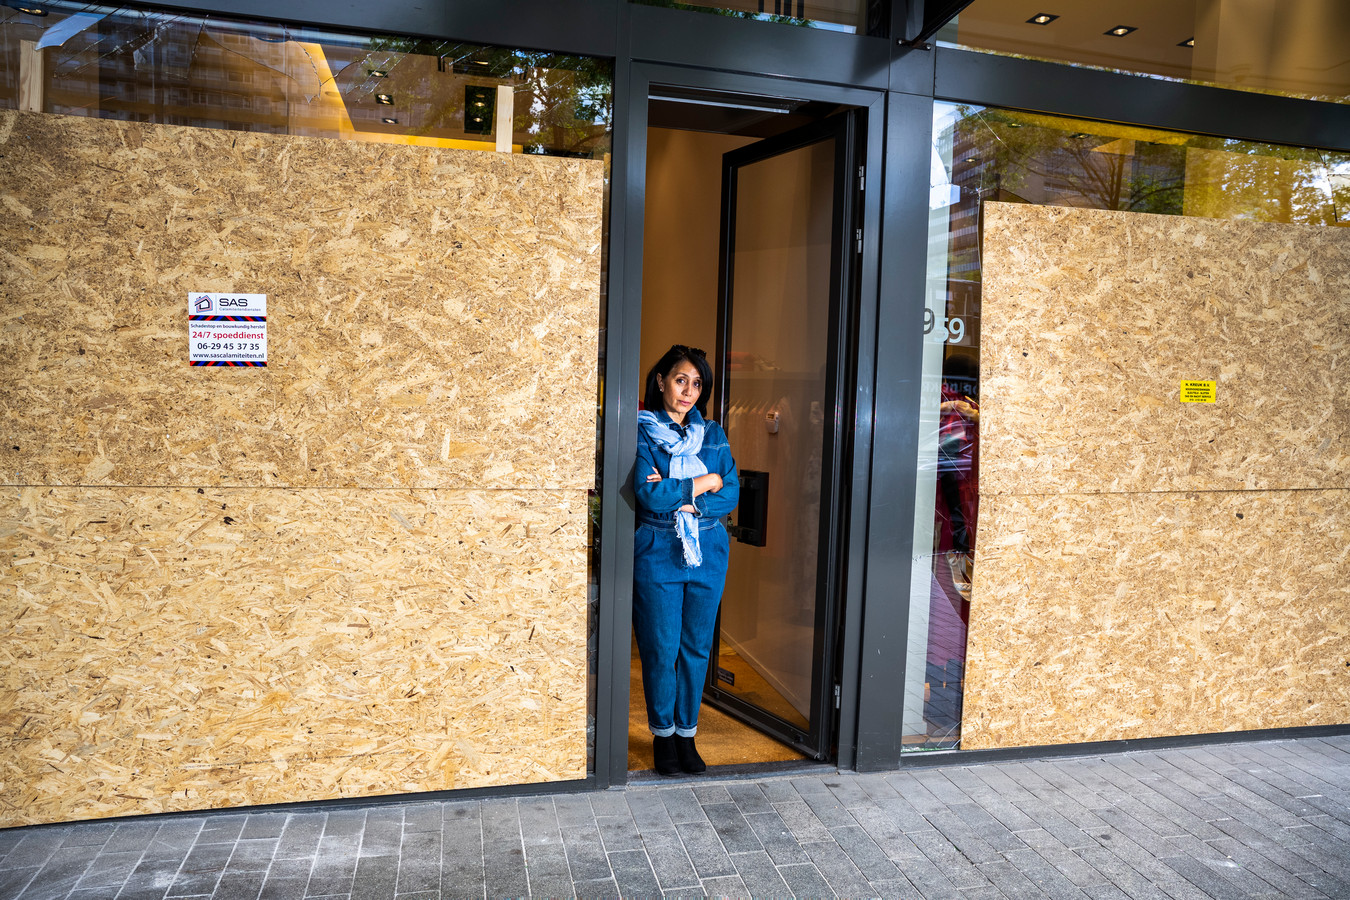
{"points": [[235, 302], [202, 304]]}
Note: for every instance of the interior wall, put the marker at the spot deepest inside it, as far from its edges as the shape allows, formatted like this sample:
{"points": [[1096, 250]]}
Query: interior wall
{"points": [[681, 235], [1296, 46], [361, 570], [1150, 567]]}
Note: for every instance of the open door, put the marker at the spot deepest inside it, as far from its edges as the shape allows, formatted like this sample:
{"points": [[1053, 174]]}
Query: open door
{"points": [[789, 241]]}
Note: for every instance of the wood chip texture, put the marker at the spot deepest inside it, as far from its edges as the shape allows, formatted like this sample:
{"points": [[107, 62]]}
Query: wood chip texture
{"points": [[360, 571], [1149, 567]]}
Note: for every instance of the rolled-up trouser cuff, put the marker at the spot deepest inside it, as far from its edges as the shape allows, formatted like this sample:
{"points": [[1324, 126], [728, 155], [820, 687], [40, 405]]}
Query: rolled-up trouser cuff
{"points": [[662, 732], [687, 732]]}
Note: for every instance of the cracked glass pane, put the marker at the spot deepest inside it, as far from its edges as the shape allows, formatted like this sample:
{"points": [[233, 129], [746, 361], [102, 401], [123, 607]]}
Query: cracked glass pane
{"points": [[212, 72]]}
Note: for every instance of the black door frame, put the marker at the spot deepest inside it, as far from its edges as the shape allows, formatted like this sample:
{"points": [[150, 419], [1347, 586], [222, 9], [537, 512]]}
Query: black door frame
{"points": [[623, 373]]}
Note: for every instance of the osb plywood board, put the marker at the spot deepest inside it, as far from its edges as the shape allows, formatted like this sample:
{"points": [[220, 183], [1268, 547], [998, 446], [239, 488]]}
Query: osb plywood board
{"points": [[1091, 319], [432, 314], [171, 649], [1116, 616]]}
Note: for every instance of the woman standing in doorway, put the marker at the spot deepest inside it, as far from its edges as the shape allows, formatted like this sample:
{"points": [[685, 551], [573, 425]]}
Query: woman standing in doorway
{"points": [[685, 482]]}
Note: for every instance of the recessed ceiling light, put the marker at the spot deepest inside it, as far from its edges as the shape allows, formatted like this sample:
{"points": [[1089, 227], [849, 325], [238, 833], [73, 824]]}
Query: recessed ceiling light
{"points": [[31, 8], [385, 99], [377, 73], [1120, 30], [1189, 42], [389, 121], [1042, 19]]}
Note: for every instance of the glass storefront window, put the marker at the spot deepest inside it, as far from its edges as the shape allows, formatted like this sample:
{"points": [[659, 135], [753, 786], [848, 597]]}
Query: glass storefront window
{"points": [[831, 15], [984, 154], [1293, 47], [75, 59]]}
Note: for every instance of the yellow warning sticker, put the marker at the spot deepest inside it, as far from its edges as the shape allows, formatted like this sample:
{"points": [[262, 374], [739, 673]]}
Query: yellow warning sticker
{"points": [[1199, 391]]}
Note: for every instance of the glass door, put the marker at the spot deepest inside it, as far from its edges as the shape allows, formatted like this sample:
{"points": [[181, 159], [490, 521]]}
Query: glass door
{"points": [[788, 245]]}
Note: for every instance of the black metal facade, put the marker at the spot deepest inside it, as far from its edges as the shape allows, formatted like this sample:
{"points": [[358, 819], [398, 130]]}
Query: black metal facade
{"points": [[896, 83]]}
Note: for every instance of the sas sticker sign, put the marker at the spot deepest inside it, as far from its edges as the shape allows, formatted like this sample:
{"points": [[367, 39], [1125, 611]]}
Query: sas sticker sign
{"points": [[227, 330]]}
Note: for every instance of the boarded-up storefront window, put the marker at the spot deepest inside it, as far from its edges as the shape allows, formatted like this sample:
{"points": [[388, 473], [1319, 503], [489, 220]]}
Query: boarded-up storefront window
{"points": [[1145, 176], [363, 568]]}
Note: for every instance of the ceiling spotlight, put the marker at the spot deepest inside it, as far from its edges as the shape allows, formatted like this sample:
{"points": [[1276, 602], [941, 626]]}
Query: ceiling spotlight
{"points": [[389, 121], [385, 99], [1042, 19], [1120, 30], [31, 8], [480, 104], [1189, 42], [377, 73]]}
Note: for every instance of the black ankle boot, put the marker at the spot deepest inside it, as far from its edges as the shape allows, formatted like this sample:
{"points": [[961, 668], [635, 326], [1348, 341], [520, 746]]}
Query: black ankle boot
{"points": [[687, 754], [668, 759]]}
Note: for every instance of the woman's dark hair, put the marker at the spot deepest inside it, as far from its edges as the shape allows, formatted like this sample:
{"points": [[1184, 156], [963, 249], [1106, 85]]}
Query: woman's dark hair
{"points": [[651, 397]]}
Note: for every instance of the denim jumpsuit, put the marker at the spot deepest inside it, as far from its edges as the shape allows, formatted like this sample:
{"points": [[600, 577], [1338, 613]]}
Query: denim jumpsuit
{"points": [[675, 605]]}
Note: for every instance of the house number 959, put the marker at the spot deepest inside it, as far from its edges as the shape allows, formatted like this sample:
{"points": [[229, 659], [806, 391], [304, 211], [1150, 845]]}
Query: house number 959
{"points": [[953, 329]]}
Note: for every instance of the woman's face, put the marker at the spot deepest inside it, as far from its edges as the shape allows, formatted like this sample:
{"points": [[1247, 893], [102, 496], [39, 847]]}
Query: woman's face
{"points": [[680, 389]]}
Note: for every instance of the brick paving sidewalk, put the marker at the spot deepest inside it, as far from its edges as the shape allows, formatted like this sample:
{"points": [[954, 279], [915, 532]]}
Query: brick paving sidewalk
{"points": [[1258, 819]]}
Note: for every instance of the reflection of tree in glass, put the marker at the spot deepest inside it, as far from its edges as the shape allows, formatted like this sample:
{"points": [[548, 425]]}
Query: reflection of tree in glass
{"points": [[731, 13], [1064, 162], [868, 16], [562, 107], [1038, 164], [1260, 182]]}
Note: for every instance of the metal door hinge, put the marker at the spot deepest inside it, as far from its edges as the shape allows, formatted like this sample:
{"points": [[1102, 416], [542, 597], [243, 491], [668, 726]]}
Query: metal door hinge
{"points": [[836, 696], [859, 237], [862, 178]]}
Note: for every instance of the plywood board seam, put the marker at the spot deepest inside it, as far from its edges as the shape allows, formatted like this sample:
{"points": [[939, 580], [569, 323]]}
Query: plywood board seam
{"points": [[1191, 492], [219, 488]]}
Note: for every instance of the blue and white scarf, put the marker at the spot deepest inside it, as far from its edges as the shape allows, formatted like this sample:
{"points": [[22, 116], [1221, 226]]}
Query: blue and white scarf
{"points": [[684, 463]]}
